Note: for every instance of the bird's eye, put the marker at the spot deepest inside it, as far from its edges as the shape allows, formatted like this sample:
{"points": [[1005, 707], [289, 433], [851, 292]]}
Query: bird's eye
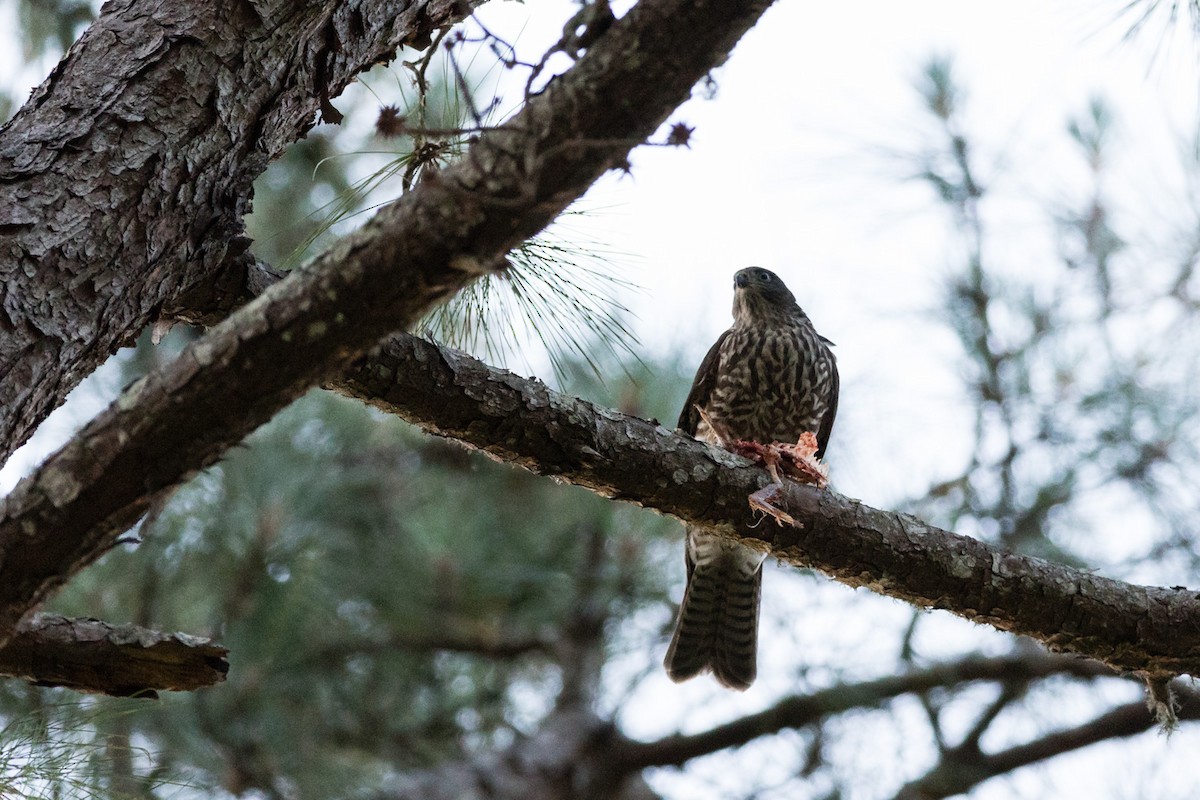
{"points": [[763, 275]]}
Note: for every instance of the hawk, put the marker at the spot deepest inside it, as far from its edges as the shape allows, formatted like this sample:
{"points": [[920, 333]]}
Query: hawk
{"points": [[769, 378]]}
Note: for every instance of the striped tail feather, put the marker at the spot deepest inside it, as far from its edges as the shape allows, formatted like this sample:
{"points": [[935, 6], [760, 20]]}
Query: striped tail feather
{"points": [[717, 628]]}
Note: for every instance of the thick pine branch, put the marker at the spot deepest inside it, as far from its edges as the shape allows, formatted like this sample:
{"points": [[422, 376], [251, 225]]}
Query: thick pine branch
{"points": [[124, 179], [520, 421], [414, 253], [121, 660]]}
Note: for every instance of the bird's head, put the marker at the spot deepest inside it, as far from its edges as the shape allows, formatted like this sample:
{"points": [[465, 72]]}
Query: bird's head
{"points": [[760, 293]]}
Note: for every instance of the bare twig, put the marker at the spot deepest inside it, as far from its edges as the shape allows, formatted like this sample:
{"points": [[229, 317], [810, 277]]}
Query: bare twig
{"points": [[960, 770]]}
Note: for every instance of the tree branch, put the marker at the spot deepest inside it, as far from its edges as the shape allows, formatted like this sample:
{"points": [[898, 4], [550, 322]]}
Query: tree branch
{"points": [[124, 179], [801, 710], [962, 769], [414, 253], [88, 655], [1132, 628]]}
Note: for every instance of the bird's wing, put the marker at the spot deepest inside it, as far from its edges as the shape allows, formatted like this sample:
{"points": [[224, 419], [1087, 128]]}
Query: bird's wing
{"points": [[827, 420], [702, 386]]}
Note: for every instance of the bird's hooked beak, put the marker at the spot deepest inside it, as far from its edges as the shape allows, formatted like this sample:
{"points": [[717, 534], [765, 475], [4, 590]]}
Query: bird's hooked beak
{"points": [[740, 281]]}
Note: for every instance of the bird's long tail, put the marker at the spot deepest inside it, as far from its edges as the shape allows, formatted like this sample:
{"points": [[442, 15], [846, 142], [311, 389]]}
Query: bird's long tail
{"points": [[718, 620]]}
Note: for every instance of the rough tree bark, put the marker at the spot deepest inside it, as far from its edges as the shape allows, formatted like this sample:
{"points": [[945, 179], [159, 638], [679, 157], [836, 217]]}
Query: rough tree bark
{"points": [[512, 182], [88, 655], [124, 179]]}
